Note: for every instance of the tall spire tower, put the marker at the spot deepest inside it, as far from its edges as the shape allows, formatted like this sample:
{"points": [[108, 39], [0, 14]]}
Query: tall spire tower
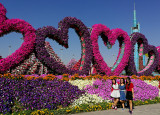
{"points": [[135, 20], [136, 26]]}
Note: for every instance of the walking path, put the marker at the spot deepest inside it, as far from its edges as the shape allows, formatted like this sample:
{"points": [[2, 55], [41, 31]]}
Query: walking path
{"points": [[151, 109]]}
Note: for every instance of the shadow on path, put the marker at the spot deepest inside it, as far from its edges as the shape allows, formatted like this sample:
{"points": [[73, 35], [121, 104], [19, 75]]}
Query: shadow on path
{"points": [[151, 109]]}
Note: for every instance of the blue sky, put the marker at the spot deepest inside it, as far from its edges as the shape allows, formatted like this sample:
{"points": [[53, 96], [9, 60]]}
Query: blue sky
{"points": [[112, 13]]}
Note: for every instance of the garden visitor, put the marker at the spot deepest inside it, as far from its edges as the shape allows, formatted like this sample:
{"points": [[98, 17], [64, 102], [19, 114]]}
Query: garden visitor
{"points": [[122, 88], [130, 93], [115, 93]]}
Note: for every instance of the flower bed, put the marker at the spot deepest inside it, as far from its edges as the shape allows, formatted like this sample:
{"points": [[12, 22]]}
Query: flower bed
{"points": [[36, 94], [62, 94], [82, 108], [142, 90]]}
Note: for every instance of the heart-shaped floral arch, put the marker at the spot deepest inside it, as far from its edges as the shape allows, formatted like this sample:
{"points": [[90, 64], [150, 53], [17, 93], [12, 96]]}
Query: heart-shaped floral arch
{"points": [[151, 50], [158, 49], [60, 35], [16, 25], [109, 37]]}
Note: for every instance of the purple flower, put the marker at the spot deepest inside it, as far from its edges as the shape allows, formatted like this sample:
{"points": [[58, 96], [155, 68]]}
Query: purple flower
{"points": [[142, 90], [36, 94]]}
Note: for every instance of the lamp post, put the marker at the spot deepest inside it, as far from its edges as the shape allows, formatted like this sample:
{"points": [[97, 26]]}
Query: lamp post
{"points": [[90, 29], [61, 52], [113, 57], [9, 50], [9, 54], [73, 56], [22, 40]]}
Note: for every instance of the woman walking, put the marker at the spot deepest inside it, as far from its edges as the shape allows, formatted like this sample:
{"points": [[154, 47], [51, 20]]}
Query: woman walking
{"points": [[130, 93], [115, 93], [122, 88]]}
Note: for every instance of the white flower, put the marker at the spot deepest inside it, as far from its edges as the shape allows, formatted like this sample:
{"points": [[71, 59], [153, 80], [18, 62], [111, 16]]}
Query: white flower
{"points": [[152, 82], [88, 99], [81, 83]]}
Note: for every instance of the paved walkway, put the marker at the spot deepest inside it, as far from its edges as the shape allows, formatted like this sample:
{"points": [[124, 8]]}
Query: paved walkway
{"points": [[151, 109]]}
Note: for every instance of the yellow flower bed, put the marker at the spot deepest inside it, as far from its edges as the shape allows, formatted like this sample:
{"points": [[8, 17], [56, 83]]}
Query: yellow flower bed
{"points": [[89, 108]]}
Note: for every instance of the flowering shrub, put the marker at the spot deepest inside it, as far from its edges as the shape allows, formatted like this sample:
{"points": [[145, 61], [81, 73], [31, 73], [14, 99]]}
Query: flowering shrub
{"points": [[17, 25], [36, 94], [109, 37], [71, 63], [77, 65]]}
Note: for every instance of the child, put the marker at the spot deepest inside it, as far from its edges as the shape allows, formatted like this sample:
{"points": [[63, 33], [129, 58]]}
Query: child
{"points": [[115, 93], [122, 88], [130, 93]]}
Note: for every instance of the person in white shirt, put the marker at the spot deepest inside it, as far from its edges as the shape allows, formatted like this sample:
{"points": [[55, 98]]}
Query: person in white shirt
{"points": [[115, 93]]}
